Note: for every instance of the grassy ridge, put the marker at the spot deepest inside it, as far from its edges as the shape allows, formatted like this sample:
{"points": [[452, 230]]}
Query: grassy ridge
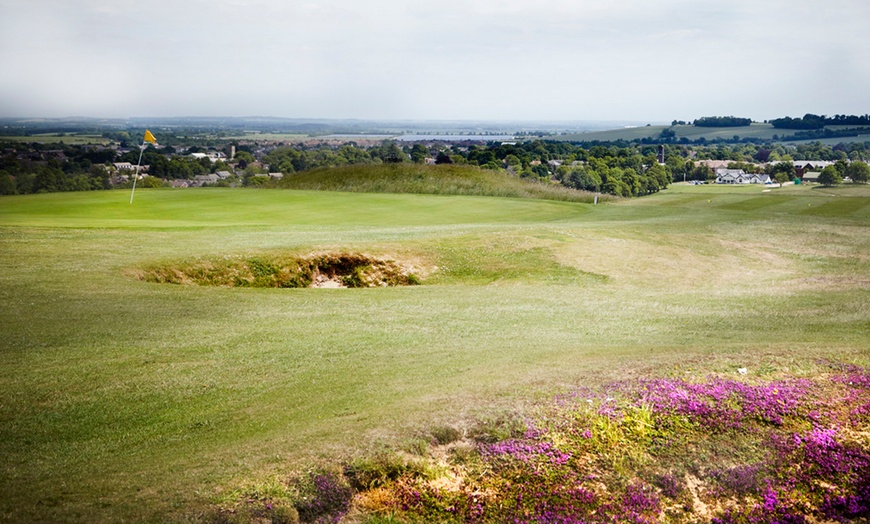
{"points": [[436, 180], [126, 400], [756, 130]]}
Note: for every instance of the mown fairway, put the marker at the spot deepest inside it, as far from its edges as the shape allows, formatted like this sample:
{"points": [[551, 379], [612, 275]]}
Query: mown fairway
{"points": [[122, 400]]}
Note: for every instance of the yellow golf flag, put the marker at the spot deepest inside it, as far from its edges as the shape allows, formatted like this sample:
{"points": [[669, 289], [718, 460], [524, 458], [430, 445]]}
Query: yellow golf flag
{"points": [[149, 137]]}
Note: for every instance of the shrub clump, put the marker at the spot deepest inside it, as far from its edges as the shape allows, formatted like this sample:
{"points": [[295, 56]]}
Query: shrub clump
{"points": [[351, 270], [720, 451], [325, 497]]}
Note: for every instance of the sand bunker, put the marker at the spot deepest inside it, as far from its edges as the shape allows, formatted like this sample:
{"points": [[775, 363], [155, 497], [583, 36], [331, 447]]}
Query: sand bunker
{"points": [[320, 270]]}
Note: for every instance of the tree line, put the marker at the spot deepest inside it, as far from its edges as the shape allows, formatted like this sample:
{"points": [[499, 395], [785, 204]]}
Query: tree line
{"points": [[722, 121], [810, 121], [614, 168]]}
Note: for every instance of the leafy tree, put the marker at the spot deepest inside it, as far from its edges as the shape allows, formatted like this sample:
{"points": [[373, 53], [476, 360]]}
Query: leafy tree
{"points": [[481, 156], [583, 179], [762, 155], [391, 153], [78, 183], [677, 165], [541, 171], [655, 179], [99, 178], [285, 160], [253, 170], [782, 172], [324, 157], [150, 182], [830, 176], [255, 180], [493, 165], [220, 165], [702, 172], [443, 158], [355, 155], [244, 156], [24, 183], [7, 184], [859, 172], [513, 160], [158, 165], [49, 179], [419, 153]]}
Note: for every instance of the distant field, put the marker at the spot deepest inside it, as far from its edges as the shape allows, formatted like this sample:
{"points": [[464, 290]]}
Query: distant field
{"points": [[129, 401], [273, 137], [57, 139], [834, 141], [763, 131], [628, 133], [756, 130]]}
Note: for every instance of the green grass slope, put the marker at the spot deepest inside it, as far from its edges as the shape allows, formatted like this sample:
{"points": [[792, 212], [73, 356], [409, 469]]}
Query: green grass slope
{"points": [[124, 400], [756, 130], [215, 209], [436, 180]]}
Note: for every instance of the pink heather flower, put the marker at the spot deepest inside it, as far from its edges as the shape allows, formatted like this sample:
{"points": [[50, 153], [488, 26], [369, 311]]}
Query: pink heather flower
{"points": [[825, 438]]}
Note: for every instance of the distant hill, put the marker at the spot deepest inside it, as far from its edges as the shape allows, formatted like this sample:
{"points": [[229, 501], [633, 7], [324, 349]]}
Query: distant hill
{"points": [[689, 132], [426, 179]]}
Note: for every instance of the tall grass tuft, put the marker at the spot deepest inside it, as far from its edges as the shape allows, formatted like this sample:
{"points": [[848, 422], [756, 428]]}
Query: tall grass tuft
{"points": [[351, 270], [435, 180]]}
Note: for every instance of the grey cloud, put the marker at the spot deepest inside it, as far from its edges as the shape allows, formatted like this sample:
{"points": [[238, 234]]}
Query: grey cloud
{"points": [[505, 59]]}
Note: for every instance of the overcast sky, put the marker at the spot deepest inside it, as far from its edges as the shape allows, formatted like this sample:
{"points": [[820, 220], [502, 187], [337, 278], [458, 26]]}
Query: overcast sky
{"points": [[646, 60]]}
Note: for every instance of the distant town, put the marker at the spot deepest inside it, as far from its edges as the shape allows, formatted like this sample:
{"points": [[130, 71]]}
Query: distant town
{"points": [[633, 160]]}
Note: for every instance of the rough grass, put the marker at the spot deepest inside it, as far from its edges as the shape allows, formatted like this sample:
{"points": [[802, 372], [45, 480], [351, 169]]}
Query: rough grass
{"points": [[720, 450], [124, 400], [435, 180], [341, 269]]}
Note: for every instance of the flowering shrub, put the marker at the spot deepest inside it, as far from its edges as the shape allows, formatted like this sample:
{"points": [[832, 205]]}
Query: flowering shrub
{"points": [[666, 450], [719, 451], [325, 498], [721, 404]]}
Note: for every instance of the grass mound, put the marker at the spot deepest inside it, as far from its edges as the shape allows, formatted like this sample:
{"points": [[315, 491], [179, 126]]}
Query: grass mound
{"points": [[352, 270], [666, 450], [436, 180]]}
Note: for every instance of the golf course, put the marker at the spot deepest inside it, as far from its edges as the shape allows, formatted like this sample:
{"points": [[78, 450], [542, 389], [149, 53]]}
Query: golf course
{"points": [[124, 398]]}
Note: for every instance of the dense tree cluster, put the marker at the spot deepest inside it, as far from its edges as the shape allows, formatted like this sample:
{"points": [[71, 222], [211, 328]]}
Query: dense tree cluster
{"points": [[811, 121], [41, 169], [722, 121]]}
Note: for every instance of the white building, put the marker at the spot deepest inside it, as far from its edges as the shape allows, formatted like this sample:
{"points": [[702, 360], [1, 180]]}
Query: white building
{"points": [[738, 176]]}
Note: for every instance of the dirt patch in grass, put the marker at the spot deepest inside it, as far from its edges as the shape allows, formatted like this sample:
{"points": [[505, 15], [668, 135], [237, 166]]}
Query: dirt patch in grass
{"points": [[318, 270]]}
